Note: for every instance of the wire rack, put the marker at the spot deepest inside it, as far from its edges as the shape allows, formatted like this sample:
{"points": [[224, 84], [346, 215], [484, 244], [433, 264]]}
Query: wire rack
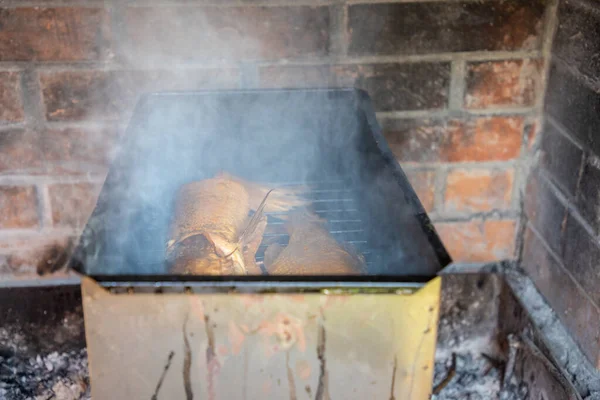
{"points": [[333, 201]]}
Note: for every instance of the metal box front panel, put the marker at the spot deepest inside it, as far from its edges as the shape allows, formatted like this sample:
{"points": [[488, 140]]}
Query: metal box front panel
{"points": [[256, 346]]}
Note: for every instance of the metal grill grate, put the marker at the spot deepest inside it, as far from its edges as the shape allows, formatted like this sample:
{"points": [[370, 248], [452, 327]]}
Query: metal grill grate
{"points": [[334, 202], [328, 137]]}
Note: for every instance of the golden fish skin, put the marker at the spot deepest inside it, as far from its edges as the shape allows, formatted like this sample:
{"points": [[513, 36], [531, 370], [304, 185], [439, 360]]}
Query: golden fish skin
{"points": [[311, 251], [217, 209]]}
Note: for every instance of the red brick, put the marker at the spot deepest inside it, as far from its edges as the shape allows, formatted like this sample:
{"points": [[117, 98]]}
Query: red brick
{"points": [[34, 259], [75, 150], [18, 207], [298, 76], [479, 139], [424, 184], [478, 190], [11, 106], [53, 34], [502, 83], [485, 139], [573, 307], [387, 84], [532, 133], [77, 95], [20, 152], [478, 240], [72, 204], [432, 27], [230, 33]]}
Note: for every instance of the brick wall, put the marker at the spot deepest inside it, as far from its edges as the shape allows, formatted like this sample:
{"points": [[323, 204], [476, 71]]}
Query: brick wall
{"points": [[562, 248], [457, 87]]}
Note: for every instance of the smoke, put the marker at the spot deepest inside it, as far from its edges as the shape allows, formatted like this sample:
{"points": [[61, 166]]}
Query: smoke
{"points": [[313, 137]]}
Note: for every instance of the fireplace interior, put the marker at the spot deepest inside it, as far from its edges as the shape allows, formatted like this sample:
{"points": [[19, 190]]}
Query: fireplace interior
{"points": [[492, 109]]}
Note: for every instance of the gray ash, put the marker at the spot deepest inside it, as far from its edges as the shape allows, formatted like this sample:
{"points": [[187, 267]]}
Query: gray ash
{"points": [[475, 375], [61, 376]]}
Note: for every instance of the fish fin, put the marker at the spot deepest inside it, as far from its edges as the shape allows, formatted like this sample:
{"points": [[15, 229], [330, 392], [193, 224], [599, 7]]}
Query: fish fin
{"points": [[249, 251], [258, 216], [285, 198], [223, 247]]}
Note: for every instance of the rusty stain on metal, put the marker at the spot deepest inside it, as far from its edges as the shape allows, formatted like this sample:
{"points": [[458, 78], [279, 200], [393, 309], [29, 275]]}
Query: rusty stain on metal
{"points": [[187, 364], [322, 393], [342, 346], [162, 375], [394, 378], [211, 359], [451, 373], [423, 336], [290, 376]]}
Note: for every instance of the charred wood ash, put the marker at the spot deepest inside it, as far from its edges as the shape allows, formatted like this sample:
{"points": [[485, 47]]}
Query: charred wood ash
{"points": [[42, 344], [57, 376], [472, 376]]}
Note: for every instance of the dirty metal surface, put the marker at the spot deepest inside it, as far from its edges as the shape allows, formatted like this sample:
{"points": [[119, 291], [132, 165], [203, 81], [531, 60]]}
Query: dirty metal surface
{"points": [[250, 346]]}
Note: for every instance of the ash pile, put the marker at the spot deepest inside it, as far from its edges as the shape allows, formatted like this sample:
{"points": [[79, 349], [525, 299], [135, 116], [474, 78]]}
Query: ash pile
{"points": [[42, 344], [57, 376], [476, 376]]}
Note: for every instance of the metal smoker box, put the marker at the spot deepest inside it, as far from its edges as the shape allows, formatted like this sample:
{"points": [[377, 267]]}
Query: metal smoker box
{"points": [[155, 335]]}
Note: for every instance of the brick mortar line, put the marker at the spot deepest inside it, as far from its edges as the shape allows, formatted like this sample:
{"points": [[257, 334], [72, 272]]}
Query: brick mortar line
{"points": [[118, 65], [521, 227], [249, 75], [433, 167], [523, 166], [8, 126], [467, 165], [233, 4], [447, 113], [494, 215], [409, 114], [44, 205], [9, 66], [338, 44], [31, 91], [563, 131], [52, 4], [284, 3], [439, 194], [521, 176], [50, 125], [480, 215], [475, 56], [44, 66], [7, 235], [558, 185], [561, 265], [358, 2], [28, 180], [458, 85], [84, 124], [550, 26], [570, 206], [346, 33], [117, 24], [520, 111]]}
